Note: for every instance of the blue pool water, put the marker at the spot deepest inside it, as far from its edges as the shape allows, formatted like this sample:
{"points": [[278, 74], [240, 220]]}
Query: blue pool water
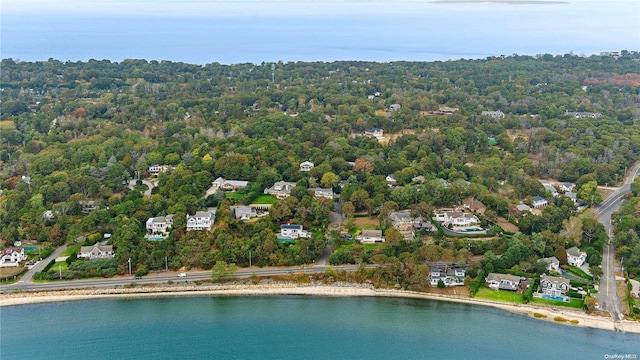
{"points": [[30, 248], [556, 298]]}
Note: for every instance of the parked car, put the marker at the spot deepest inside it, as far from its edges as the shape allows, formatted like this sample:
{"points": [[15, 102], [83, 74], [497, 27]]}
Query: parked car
{"points": [[182, 275], [138, 277]]}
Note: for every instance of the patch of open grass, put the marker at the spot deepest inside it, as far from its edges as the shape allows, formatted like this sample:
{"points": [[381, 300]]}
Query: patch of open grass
{"points": [[232, 195], [573, 303], [499, 295], [576, 271], [264, 199]]}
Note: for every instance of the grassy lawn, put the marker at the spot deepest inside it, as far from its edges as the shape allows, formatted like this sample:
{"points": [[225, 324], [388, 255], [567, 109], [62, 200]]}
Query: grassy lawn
{"points": [[499, 295], [575, 271], [232, 195], [573, 303], [264, 199]]}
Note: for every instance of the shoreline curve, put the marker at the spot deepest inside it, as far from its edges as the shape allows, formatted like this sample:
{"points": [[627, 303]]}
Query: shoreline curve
{"points": [[561, 316]]}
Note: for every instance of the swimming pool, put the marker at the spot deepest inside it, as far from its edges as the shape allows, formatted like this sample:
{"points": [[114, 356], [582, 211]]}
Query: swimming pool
{"points": [[30, 248], [555, 298]]}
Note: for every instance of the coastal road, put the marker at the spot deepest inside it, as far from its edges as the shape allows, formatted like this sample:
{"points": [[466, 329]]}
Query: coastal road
{"points": [[159, 278], [607, 296]]}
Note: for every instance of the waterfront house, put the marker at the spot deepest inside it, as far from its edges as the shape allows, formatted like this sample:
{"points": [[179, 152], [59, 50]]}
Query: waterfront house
{"points": [[11, 257], [576, 257], [306, 166], [449, 276], [97, 251], [280, 189], [201, 220], [554, 286], [503, 281], [370, 236]]}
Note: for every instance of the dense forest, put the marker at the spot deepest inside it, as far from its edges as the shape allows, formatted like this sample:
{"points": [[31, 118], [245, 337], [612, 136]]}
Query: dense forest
{"points": [[72, 132]]}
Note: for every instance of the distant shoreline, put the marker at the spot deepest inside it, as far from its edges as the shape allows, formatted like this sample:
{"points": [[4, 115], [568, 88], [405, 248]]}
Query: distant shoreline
{"points": [[562, 316]]}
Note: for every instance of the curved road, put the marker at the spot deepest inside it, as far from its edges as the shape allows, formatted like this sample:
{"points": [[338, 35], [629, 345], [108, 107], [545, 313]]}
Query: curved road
{"points": [[149, 184], [607, 295]]}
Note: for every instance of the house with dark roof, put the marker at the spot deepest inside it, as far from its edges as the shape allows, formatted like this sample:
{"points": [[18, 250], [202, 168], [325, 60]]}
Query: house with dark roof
{"points": [[11, 257], [539, 202]]}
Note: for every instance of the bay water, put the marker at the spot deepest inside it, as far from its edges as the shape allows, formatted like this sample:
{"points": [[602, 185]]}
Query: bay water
{"points": [[292, 327]]}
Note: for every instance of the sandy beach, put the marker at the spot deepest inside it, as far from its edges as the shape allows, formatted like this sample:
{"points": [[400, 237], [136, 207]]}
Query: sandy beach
{"points": [[565, 316]]}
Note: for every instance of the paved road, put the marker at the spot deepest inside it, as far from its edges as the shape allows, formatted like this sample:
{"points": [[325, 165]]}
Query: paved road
{"points": [[159, 278], [26, 278], [607, 295]]}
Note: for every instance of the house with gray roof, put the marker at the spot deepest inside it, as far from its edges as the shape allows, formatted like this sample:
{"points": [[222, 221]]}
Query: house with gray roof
{"points": [[576, 257], [554, 286], [201, 220], [503, 281]]}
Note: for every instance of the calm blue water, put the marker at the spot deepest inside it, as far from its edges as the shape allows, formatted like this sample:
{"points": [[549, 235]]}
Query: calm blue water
{"points": [[291, 327], [326, 31]]}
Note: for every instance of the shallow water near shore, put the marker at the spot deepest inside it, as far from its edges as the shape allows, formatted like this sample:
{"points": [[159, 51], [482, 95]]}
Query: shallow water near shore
{"points": [[291, 327]]}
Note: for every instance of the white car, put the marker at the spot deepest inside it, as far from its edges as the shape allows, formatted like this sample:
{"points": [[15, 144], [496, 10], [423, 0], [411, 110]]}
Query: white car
{"points": [[182, 275]]}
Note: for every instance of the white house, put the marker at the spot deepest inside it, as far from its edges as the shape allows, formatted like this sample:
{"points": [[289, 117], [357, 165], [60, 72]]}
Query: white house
{"points": [[451, 277], [554, 286], [494, 114], [539, 202], [97, 251], [306, 166], [391, 180], [201, 220], [48, 215], [322, 192], [155, 169], [160, 224], [289, 231], [523, 207], [374, 132], [371, 236], [11, 257], [503, 281], [553, 264], [576, 257], [395, 107], [457, 219], [280, 189], [245, 212]]}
